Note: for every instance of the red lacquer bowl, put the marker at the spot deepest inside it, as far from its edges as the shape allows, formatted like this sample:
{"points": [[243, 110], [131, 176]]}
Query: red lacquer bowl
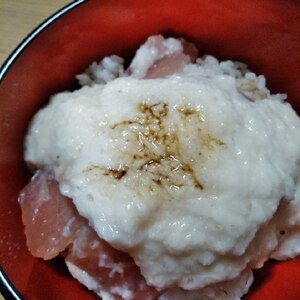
{"points": [[265, 34]]}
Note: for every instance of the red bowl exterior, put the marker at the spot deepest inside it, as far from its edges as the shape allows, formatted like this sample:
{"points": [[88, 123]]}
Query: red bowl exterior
{"points": [[265, 34]]}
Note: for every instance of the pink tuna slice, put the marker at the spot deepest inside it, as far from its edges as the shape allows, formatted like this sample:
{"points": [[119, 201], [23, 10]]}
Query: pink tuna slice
{"points": [[174, 63], [53, 225], [166, 61], [50, 219]]}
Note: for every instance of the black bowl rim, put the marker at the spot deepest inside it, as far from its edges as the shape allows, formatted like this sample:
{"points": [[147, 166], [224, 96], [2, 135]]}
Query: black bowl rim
{"points": [[7, 289]]}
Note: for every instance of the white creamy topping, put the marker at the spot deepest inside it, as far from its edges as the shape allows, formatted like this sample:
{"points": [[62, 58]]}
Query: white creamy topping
{"points": [[180, 172]]}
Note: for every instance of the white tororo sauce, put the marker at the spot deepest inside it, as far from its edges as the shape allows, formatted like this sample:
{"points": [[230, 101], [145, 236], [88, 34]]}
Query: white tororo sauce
{"points": [[179, 172]]}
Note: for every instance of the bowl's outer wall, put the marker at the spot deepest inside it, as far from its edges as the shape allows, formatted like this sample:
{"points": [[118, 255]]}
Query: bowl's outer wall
{"points": [[265, 34]]}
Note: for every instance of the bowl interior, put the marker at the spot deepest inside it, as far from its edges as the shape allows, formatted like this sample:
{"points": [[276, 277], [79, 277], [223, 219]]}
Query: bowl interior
{"points": [[265, 34]]}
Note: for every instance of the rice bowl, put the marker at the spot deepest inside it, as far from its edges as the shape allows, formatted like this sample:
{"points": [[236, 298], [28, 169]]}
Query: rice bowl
{"points": [[169, 162], [280, 84]]}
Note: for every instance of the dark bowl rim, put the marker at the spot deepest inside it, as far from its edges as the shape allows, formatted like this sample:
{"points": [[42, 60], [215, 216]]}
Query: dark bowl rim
{"points": [[7, 289]]}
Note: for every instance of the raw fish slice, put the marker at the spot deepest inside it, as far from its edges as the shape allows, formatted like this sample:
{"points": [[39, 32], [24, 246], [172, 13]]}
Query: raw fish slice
{"points": [[50, 219], [110, 271], [160, 57], [157, 58], [53, 225], [174, 63], [168, 65]]}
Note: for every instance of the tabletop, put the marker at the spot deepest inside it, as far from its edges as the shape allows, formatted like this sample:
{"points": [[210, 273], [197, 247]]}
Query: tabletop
{"points": [[18, 18]]}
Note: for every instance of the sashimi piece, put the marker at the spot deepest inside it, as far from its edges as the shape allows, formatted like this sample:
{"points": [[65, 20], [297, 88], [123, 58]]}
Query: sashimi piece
{"points": [[174, 63], [190, 50], [50, 219], [53, 225], [111, 272], [167, 66], [159, 57]]}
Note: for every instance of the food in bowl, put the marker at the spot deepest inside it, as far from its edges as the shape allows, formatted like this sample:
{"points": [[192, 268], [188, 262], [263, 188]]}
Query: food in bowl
{"points": [[171, 179]]}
